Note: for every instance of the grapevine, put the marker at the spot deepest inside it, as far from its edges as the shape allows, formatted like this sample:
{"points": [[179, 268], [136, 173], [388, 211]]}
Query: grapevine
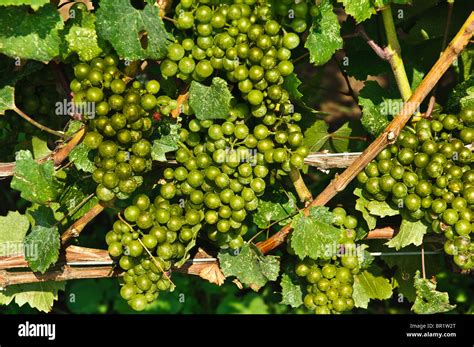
{"points": [[186, 139]]}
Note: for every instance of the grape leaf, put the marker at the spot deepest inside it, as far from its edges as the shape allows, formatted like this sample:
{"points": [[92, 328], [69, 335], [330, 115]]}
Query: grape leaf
{"points": [[30, 35], [81, 37], [322, 214], [73, 127], [338, 140], [411, 232], [381, 209], [249, 266], [313, 237], [40, 296], [163, 145], [324, 37], [42, 215], [39, 147], [371, 98], [211, 102], [291, 83], [360, 10], [275, 205], [75, 193], [7, 99], [361, 205], [13, 228], [368, 287], [462, 91], [80, 157], [126, 28], [291, 293], [428, 299], [316, 136], [42, 247], [35, 4], [35, 181]]}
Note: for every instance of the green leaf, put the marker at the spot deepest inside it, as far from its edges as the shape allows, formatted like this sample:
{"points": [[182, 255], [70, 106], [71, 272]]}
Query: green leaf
{"points": [[81, 37], [211, 102], [42, 215], [312, 237], [324, 37], [30, 35], [360, 9], [249, 266], [361, 205], [35, 4], [40, 296], [368, 287], [73, 127], [35, 181], [291, 83], [291, 293], [462, 92], [381, 209], [375, 110], [322, 214], [75, 193], [338, 140], [428, 299], [411, 232], [13, 228], [42, 247], [274, 206], [80, 157], [316, 136], [40, 147], [123, 25], [7, 99], [163, 145]]}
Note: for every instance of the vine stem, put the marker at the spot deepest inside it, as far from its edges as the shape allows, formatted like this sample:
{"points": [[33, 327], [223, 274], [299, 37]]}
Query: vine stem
{"points": [[301, 189], [76, 228], [80, 263], [58, 156], [423, 260], [38, 125], [389, 135], [394, 54], [65, 273]]}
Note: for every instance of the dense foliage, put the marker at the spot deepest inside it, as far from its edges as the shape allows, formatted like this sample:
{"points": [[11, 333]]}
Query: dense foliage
{"points": [[194, 124]]}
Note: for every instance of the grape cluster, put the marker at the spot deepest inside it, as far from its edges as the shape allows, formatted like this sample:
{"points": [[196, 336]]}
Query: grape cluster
{"points": [[296, 14], [428, 175], [240, 39], [159, 229], [122, 124], [329, 281]]}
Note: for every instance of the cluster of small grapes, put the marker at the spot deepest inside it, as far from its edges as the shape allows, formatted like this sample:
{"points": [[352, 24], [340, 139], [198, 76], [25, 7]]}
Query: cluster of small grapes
{"points": [[146, 241], [428, 174], [122, 124], [296, 14], [329, 281]]}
